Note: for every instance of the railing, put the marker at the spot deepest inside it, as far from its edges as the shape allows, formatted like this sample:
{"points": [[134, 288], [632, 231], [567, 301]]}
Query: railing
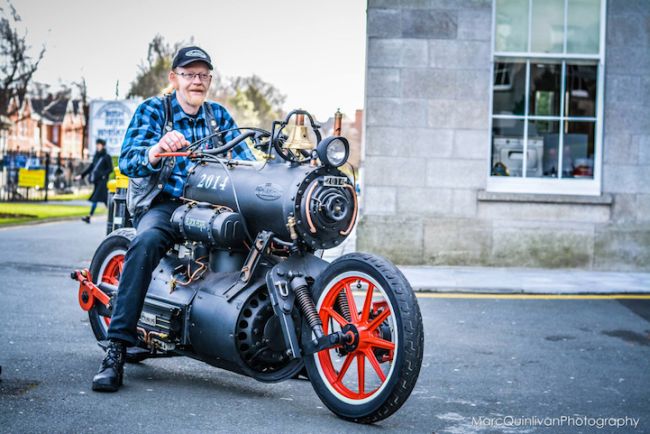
{"points": [[25, 177]]}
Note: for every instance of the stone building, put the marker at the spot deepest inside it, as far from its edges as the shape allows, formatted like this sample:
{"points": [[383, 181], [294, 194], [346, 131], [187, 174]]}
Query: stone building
{"points": [[508, 133]]}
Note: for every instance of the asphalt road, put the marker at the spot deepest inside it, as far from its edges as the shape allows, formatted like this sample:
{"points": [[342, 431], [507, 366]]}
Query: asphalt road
{"points": [[494, 358]]}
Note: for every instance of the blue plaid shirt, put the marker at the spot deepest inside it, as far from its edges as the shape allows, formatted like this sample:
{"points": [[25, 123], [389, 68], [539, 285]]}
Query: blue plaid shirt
{"points": [[147, 128]]}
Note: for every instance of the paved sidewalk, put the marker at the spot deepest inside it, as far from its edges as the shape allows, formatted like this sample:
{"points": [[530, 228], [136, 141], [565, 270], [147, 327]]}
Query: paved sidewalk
{"points": [[525, 280], [512, 280]]}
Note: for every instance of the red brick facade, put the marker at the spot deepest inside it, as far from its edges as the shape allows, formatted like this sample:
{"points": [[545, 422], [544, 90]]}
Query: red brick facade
{"points": [[43, 126]]}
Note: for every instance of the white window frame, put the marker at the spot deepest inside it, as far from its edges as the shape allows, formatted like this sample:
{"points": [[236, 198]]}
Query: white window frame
{"points": [[587, 187]]}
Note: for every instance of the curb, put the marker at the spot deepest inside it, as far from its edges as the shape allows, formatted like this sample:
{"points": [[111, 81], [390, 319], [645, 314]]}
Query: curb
{"points": [[520, 291]]}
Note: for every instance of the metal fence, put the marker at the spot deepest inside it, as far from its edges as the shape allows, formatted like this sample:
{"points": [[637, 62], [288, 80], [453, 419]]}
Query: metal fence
{"points": [[27, 177]]}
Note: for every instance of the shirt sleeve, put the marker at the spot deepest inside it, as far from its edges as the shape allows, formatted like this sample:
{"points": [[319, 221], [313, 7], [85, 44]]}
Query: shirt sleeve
{"points": [[226, 122], [144, 131]]}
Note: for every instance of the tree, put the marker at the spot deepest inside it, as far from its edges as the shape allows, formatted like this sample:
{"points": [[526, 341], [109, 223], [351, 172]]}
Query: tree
{"points": [[82, 87], [17, 66], [152, 78], [253, 101]]}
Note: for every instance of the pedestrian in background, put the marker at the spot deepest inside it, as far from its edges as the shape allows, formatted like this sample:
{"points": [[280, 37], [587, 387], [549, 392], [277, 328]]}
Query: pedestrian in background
{"points": [[98, 173]]}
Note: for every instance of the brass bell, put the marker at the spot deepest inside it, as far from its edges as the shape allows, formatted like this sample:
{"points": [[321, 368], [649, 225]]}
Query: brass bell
{"points": [[299, 139]]}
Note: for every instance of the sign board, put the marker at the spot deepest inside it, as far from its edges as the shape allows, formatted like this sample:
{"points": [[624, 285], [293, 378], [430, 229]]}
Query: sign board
{"points": [[31, 178], [109, 121]]}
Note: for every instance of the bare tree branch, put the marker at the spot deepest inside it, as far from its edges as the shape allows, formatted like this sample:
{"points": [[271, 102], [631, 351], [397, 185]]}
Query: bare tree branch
{"points": [[17, 66]]}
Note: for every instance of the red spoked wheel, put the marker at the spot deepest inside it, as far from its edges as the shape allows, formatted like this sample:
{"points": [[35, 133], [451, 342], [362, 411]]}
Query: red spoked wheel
{"points": [[371, 376], [106, 267], [368, 326], [110, 273]]}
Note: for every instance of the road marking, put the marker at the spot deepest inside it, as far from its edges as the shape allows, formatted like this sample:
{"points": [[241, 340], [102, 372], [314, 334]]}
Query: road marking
{"points": [[536, 296], [526, 296]]}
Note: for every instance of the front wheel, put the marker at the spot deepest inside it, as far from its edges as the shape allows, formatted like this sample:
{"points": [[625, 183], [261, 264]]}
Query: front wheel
{"points": [[368, 298]]}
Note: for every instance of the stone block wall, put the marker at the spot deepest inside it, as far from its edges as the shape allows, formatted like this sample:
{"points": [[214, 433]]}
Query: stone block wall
{"points": [[427, 148], [624, 242]]}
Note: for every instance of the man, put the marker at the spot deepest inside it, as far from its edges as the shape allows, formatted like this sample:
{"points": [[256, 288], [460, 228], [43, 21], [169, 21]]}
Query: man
{"points": [[152, 207], [99, 170]]}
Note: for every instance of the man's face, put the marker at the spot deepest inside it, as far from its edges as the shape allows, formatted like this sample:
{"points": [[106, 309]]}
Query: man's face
{"points": [[193, 91], [99, 146]]}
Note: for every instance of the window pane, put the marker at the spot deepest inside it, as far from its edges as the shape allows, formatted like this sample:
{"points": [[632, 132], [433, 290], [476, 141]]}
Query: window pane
{"points": [[509, 88], [543, 145], [545, 91], [583, 26], [511, 25], [581, 89], [578, 157], [507, 147], [548, 26]]}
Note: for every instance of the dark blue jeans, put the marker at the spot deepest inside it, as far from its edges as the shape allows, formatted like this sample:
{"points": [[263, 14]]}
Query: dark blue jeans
{"points": [[155, 236]]}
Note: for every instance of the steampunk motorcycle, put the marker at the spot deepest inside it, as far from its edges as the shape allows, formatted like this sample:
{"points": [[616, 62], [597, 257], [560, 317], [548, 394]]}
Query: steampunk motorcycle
{"points": [[244, 289]]}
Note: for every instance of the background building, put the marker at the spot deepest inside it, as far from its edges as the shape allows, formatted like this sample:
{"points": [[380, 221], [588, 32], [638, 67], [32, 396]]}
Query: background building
{"points": [[53, 126], [508, 132]]}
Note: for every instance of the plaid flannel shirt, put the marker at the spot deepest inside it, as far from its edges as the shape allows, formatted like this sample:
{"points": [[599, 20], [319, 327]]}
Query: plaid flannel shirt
{"points": [[147, 128]]}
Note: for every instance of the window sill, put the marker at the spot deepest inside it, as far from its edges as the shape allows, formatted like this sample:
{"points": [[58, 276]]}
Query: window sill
{"points": [[569, 199]]}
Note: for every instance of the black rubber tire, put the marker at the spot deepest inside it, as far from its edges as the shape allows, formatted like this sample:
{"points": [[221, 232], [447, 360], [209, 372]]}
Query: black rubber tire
{"points": [[408, 354], [117, 240]]}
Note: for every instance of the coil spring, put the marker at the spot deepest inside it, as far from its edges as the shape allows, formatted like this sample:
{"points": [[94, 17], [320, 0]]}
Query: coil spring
{"points": [[307, 307], [343, 306]]}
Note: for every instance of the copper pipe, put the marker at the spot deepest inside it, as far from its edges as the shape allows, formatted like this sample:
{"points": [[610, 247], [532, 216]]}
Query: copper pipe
{"points": [[145, 335], [356, 209], [195, 275], [312, 228], [338, 117]]}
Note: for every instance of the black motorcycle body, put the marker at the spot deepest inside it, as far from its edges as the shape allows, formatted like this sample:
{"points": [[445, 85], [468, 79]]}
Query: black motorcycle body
{"points": [[244, 288]]}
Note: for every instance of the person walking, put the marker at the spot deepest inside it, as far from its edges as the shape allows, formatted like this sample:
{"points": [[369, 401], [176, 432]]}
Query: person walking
{"points": [[98, 173]]}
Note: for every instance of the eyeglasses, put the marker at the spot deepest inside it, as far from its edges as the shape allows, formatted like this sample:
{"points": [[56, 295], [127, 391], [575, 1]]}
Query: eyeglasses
{"points": [[190, 76]]}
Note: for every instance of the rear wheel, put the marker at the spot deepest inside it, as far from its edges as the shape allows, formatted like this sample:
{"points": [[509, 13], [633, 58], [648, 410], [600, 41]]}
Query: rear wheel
{"points": [[106, 267], [368, 298]]}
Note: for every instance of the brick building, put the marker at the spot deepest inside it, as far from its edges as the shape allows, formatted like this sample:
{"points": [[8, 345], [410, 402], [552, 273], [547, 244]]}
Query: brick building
{"points": [[53, 126], [508, 133]]}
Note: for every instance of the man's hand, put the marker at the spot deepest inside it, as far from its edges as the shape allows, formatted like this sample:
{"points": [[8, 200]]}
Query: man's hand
{"points": [[170, 142]]}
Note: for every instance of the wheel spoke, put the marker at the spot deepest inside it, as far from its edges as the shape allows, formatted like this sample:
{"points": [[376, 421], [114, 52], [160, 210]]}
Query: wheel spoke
{"points": [[367, 304], [354, 313], [361, 371], [344, 368], [375, 365], [334, 314], [376, 342], [380, 319]]}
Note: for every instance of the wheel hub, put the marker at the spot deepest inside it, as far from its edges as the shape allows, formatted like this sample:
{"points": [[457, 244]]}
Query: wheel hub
{"points": [[352, 341]]}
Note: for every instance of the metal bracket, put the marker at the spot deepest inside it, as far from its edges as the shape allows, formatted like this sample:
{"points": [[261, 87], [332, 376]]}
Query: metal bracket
{"points": [[259, 247], [282, 301], [324, 342]]}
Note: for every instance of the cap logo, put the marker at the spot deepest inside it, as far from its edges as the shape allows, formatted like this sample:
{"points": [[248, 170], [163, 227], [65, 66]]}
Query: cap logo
{"points": [[196, 53]]}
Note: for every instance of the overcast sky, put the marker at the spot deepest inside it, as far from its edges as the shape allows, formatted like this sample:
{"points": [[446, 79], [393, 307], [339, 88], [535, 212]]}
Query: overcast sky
{"points": [[312, 51]]}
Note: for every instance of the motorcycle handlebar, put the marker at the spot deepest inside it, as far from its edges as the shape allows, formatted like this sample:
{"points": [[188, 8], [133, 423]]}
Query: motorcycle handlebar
{"points": [[231, 144], [221, 149]]}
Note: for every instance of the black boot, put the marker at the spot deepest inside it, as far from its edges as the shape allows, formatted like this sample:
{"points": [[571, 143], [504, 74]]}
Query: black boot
{"points": [[111, 372], [86, 219]]}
